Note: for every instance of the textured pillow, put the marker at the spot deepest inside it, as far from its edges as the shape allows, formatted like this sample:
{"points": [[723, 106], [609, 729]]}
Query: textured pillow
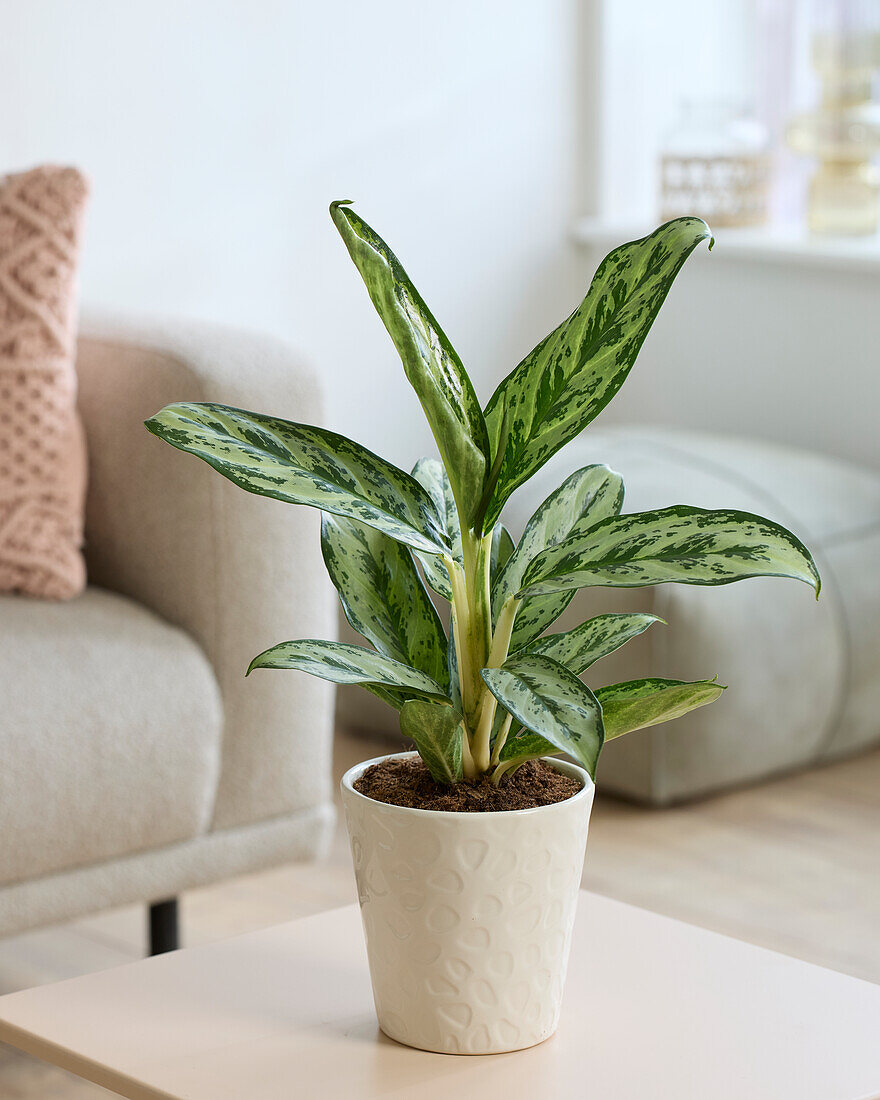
{"points": [[42, 448]]}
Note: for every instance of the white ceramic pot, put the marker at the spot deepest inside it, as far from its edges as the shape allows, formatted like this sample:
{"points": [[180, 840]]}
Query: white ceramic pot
{"points": [[468, 916]]}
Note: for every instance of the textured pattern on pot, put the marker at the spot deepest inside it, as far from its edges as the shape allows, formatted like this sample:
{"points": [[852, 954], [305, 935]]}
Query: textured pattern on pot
{"points": [[468, 917]]}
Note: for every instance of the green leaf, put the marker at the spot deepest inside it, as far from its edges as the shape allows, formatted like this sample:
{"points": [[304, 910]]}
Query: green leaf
{"points": [[640, 703], [500, 552], [383, 596], [429, 473], [527, 746], [688, 545], [535, 615], [394, 698], [430, 362], [301, 464], [436, 730], [350, 664], [585, 498], [579, 648], [573, 373], [453, 677], [551, 701]]}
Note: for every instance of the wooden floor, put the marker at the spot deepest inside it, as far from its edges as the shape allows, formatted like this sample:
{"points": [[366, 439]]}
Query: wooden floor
{"points": [[793, 865]]}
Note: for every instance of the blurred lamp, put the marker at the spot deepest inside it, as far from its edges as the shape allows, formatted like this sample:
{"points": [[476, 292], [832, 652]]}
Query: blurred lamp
{"points": [[843, 132]]}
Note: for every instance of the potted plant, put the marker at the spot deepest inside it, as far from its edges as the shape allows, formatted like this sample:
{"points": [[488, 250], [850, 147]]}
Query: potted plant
{"points": [[468, 854]]}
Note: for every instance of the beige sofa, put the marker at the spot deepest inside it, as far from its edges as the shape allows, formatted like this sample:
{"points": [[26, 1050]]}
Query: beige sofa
{"points": [[137, 761]]}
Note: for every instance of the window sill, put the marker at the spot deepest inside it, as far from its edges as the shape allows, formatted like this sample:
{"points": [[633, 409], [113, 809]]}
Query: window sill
{"points": [[790, 245]]}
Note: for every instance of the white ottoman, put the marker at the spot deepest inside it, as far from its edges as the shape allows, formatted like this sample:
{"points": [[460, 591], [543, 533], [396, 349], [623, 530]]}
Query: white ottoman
{"points": [[803, 676]]}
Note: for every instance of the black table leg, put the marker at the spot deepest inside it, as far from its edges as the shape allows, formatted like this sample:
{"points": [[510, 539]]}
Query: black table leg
{"points": [[164, 927]]}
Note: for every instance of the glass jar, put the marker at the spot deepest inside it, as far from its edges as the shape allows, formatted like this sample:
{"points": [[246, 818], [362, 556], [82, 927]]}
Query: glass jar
{"points": [[714, 164]]}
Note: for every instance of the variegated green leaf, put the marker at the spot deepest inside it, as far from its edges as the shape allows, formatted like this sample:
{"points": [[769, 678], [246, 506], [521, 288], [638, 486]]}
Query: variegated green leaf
{"points": [[688, 545], [435, 574], [498, 722], [436, 730], [429, 473], [569, 378], [452, 664], [383, 596], [430, 362], [301, 464], [527, 746], [585, 498], [343, 663], [535, 615], [640, 703], [579, 648], [502, 548], [392, 697], [551, 701]]}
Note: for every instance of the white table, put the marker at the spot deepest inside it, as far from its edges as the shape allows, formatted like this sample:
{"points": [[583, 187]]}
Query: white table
{"points": [[655, 1009]]}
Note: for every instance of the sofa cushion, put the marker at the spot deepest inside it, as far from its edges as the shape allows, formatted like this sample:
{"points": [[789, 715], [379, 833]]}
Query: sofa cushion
{"points": [[109, 733], [42, 449]]}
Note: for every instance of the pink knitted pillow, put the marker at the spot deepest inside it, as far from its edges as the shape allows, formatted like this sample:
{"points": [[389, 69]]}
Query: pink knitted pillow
{"points": [[42, 448]]}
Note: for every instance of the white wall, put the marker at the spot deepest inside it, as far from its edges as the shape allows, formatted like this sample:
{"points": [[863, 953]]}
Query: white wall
{"points": [[216, 133]]}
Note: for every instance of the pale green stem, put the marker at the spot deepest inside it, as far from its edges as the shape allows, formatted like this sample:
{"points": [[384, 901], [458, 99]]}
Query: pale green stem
{"points": [[503, 634], [510, 766], [489, 704], [468, 767], [472, 637], [460, 619], [501, 740], [483, 592], [449, 564], [474, 619], [468, 551], [507, 766], [483, 736], [494, 470]]}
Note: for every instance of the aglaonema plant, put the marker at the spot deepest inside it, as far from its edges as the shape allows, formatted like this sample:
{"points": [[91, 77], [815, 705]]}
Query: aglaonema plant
{"points": [[495, 690]]}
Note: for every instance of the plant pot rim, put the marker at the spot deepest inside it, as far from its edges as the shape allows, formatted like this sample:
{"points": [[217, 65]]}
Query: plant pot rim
{"points": [[585, 794]]}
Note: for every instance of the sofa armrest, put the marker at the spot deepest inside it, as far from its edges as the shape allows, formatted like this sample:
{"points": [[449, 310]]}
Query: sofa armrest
{"points": [[238, 572]]}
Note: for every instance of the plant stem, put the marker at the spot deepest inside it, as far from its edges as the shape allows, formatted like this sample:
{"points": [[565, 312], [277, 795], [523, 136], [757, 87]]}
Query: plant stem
{"points": [[503, 634], [460, 620], [468, 767], [483, 736], [497, 657], [494, 471], [501, 740], [502, 769], [473, 617], [482, 597], [474, 643]]}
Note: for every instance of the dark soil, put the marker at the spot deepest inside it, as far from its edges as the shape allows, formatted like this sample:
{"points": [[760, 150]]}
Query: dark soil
{"points": [[409, 783]]}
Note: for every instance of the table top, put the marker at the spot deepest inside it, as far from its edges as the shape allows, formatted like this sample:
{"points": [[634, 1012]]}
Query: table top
{"points": [[653, 1008]]}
